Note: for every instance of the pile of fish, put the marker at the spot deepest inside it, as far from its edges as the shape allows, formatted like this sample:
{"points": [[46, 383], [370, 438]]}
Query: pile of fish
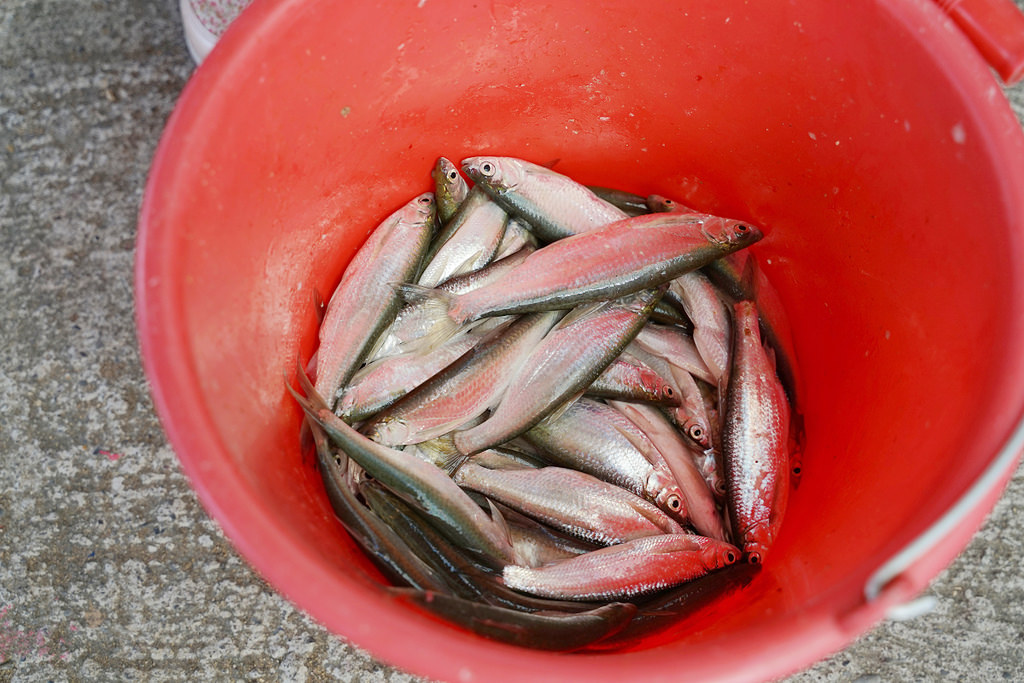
{"points": [[539, 406]]}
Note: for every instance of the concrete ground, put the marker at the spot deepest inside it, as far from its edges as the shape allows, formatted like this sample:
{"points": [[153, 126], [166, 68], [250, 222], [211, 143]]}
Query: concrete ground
{"points": [[109, 567]]}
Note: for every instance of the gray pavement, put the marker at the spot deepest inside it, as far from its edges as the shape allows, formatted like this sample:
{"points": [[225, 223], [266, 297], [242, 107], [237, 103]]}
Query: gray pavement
{"points": [[109, 567]]}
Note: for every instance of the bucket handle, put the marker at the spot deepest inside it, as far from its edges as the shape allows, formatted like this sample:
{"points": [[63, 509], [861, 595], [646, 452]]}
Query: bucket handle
{"points": [[888, 585], [996, 27]]}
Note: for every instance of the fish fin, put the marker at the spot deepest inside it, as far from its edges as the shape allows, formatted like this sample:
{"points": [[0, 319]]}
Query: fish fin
{"points": [[306, 384], [319, 305], [500, 521], [414, 293], [560, 410], [582, 311], [442, 452], [439, 304], [466, 265]]}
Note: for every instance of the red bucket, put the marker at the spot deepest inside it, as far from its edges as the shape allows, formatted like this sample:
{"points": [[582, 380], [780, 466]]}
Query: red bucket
{"points": [[869, 139]]}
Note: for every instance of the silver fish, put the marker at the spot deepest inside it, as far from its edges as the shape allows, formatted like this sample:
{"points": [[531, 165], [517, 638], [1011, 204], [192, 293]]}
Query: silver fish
{"points": [[629, 379], [571, 355], [450, 188], [700, 502], [415, 320], [365, 302], [469, 240], [632, 568], [632, 204], [571, 501], [755, 440], [456, 515], [465, 389], [690, 415], [382, 382], [674, 346], [710, 319], [591, 436], [619, 259], [657, 203], [555, 205], [517, 236]]}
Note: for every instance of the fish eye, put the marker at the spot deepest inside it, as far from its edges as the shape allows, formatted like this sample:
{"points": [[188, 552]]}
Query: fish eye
{"points": [[674, 503], [425, 200], [742, 228], [487, 169], [730, 557], [668, 392], [453, 175], [696, 432]]}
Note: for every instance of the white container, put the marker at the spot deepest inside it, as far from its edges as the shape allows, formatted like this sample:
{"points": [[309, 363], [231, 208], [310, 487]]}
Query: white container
{"points": [[205, 21]]}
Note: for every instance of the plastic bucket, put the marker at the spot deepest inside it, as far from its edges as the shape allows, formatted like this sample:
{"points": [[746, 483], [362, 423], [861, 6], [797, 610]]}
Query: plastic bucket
{"points": [[869, 139]]}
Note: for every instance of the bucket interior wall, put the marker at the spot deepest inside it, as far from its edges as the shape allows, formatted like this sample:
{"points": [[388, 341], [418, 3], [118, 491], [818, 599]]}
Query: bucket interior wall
{"points": [[828, 124]]}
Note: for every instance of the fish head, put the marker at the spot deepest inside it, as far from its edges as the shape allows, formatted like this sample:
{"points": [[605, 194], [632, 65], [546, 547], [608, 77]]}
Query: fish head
{"points": [[422, 207], [756, 539], [499, 174], [664, 492], [698, 432], [446, 176], [391, 431], [730, 234], [718, 554]]}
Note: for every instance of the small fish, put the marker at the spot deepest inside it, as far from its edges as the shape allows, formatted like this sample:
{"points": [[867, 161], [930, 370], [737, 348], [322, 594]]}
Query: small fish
{"points": [[415, 320], [700, 502], [632, 380], [365, 301], [468, 579], [625, 570], [570, 501], [690, 415], [450, 188], [517, 236], [468, 242], [711, 332], [628, 202], [675, 347], [562, 365], [739, 277], [755, 440], [537, 544], [673, 606], [465, 389], [619, 259], [381, 383], [595, 438], [456, 515], [555, 205], [657, 203], [388, 551], [554, 630]]}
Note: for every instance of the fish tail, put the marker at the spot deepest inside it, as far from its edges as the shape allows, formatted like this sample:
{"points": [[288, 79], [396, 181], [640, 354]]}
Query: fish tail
{"points": [[442, 451], [441, 308], [413, 293]]}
